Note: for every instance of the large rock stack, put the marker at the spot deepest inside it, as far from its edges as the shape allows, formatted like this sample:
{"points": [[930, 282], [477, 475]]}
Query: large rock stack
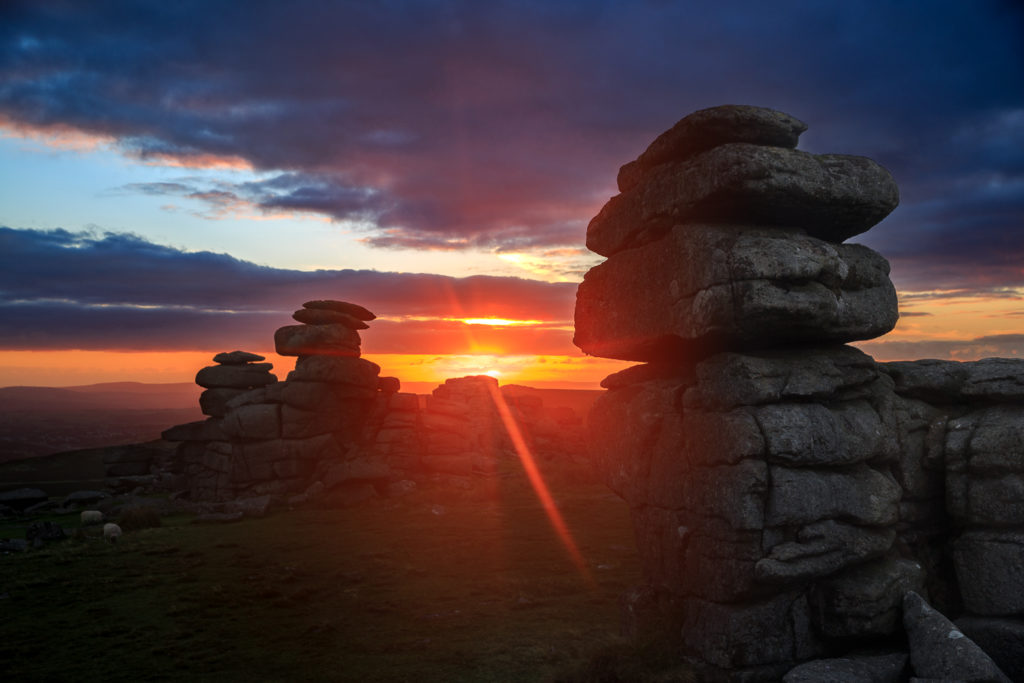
{"points": [[273, 438], [755, 450]]}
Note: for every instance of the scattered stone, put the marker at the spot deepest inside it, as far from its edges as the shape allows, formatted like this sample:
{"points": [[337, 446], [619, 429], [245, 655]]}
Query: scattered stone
{"points": [[20, 499], [84, 498], [13, 545], [938, 649], [39, 532]]}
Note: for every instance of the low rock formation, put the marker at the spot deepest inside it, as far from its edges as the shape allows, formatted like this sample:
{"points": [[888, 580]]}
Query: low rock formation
{"points": [[787, 491]]}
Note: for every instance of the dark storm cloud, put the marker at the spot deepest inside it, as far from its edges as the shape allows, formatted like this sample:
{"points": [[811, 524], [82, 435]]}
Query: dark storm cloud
{"points": [[60, 289], [451, 124]]}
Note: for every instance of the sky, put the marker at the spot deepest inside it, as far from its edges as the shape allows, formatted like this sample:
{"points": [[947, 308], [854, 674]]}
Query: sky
{"points": [[177, 178]]}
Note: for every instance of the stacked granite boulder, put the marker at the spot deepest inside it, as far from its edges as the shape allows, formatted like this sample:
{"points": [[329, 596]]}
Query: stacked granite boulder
{"points": [[754, 449], [964, 496], [463, 431], [793, 499], [277, 438]]}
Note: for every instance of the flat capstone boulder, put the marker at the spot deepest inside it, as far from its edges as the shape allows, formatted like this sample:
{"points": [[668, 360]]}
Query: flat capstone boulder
{"points": [[354, 310], [248, 376], [236, 357]]}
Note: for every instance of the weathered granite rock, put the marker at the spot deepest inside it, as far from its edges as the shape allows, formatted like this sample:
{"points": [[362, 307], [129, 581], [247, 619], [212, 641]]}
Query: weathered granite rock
{"points": [[709, 128], [865, 600], [235, 376], [354, 310], [990, 567], [331, 340], [252, 422], [1001, 639], [853, 669], [830, 196], [38, 533], [236, 357], [938, 649], [946, 381], [323, 316], [335, 370], [213, 402], [770, 632], [702, 288]]}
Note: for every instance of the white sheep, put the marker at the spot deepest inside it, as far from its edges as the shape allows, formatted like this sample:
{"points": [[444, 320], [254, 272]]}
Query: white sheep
{"points": [[111, 532], [91, 517]]}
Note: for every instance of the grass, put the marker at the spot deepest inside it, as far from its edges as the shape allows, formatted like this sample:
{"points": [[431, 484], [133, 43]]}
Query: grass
{"points": [[439, 585]]}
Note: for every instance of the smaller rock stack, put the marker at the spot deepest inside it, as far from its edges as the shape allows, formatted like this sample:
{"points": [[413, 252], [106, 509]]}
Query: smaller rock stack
{"points": [[236, 372], [274, 438]]}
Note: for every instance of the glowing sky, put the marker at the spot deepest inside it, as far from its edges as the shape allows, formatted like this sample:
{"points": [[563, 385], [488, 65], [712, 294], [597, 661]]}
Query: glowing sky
{"points": [[176, 178]]}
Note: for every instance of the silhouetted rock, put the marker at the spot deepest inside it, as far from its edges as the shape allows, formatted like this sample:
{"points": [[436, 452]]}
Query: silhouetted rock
{"points": [[306, 340], [323, 316], [357, 372], [354, 310], [235, 376], [236, 358]]}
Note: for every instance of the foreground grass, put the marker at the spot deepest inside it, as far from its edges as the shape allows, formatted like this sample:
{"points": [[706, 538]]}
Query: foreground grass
{"points": [[439, 585]]}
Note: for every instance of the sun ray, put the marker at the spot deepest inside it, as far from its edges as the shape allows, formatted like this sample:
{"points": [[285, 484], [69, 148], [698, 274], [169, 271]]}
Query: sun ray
{"points": [[538, 484]]}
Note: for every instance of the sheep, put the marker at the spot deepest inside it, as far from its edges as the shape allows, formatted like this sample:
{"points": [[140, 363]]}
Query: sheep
{"points": [[91, 517], [111, 532]]}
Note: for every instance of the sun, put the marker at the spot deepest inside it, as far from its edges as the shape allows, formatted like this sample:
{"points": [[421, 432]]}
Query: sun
{"points": [[493, 373]]}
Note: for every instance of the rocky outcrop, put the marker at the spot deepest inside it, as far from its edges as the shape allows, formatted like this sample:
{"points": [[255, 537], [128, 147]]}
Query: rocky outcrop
{"points": [[337, 432], [266, 437], [787, 491]]}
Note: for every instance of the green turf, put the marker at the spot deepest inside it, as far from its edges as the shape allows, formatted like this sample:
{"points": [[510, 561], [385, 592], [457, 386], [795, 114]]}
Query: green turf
{"points": [[440, 585]]}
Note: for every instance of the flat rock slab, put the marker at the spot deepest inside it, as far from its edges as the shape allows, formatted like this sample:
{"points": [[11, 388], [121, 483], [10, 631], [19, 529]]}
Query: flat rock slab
{"points": [[354, 310], [324, 316], [709, 128], [830, 196], [938, 649], [237, 357], [357, 372], [331, 340], [989, 566], [248, 376], [704, 288]]}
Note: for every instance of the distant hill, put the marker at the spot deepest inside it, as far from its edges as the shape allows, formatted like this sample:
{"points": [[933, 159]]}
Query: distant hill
{"points": [[107, 396]]}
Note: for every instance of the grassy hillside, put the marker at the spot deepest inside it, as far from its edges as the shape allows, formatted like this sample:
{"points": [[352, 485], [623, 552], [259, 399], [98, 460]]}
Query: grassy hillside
{"points": [[440, 585]]}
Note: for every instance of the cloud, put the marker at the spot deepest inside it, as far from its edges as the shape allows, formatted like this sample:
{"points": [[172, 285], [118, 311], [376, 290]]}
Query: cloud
{"points": [[449, 125], [61, 289]]}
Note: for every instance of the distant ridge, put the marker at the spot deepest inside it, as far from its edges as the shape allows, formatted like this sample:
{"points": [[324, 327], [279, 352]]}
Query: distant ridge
{"points": [[105, 396]]}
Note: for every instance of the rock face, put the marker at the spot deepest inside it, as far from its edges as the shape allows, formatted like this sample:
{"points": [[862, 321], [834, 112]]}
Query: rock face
{"points": [[787, 491]]}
